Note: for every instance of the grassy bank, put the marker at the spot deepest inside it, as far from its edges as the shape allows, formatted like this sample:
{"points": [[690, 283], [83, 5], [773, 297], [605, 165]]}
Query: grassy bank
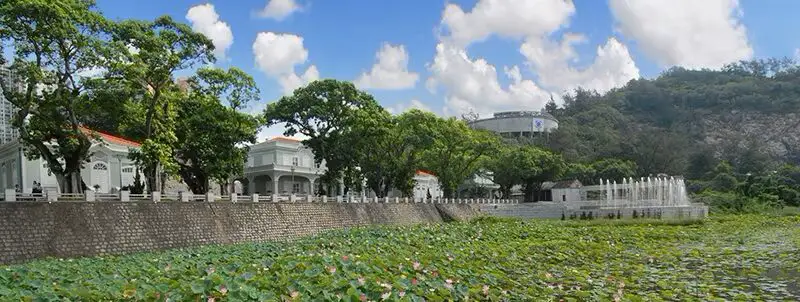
{"points": [[730, 257]]}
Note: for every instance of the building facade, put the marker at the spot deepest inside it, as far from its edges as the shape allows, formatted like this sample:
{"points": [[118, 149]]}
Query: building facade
{"points": [[283, 165], [517, 123], [108, 168], [7, 132]]}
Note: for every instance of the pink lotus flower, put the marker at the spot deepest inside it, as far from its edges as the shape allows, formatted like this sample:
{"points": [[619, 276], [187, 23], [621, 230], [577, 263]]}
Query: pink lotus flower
{"points": [[362, 297], [294, 294], [361, 281], [210, 270], [416, 265], [386, 295], [414, 281], [345, 258], [485, 290], [223, 290], [210, 299], [401, 294], [331, 269]]}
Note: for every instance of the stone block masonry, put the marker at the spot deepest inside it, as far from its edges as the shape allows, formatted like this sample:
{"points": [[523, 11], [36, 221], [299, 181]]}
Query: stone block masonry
{"points": [[31, 230]]}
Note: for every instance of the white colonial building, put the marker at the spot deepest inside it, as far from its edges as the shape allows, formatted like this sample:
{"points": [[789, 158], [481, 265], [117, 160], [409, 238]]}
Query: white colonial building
{"points": [[108, 167], [282, 165]]}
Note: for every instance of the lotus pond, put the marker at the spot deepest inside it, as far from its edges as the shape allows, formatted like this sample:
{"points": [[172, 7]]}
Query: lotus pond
{"points": [[744, 258]]}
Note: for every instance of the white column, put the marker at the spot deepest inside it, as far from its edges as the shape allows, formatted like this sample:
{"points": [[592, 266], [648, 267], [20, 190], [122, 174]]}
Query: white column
{"points": [[254, 197], [210, 197], [155, 196], [125, 195], [275, 182], [234, 197], [184, 196], [11, 195]]}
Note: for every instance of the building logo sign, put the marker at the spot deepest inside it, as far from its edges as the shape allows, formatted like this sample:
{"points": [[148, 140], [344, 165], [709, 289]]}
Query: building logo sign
{"points": [[537, 124]]}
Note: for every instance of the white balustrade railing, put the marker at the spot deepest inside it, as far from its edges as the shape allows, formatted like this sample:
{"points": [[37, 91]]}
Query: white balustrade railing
{"points": [[124, 196]]}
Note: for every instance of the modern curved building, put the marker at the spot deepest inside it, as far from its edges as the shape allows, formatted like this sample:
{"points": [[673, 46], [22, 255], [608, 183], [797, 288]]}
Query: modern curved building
{"points": [[517, 123]]}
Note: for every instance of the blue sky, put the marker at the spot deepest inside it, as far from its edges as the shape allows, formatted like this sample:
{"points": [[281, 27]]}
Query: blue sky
{"points": [[342, 38]]}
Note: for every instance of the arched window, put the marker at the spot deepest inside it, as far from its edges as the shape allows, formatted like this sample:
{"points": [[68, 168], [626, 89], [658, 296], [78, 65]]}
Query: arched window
{"points": [[100, 166]]}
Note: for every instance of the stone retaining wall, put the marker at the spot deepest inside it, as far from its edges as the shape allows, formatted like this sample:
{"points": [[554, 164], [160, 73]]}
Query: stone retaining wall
{"points": [[72, 229]]}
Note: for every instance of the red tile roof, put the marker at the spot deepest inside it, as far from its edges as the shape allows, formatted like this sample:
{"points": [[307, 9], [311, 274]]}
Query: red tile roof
{"points": [[111, 138], [286, 139], [425, 172]]}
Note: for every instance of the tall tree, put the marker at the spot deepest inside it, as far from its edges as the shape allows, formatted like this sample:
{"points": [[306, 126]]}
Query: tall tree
{"points": [[145, 58], [325, 111], [210, 131], [456, 152], [389, 149], [55, 43], [536, 166], [504, 170]]}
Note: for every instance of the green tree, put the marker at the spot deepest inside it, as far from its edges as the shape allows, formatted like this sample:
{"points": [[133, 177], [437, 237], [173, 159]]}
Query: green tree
{"points": [[325, 111], [210, 135], [389, 149], [55, 42], [586, 174], [145, 58], [535, 166], [504, 170], [614, 169], [456, 152]]}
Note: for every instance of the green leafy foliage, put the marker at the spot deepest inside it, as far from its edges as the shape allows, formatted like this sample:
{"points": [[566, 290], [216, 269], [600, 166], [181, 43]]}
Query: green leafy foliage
{"points": [[745, 258], [210, 131], [142, 63], [326, 111], [54, 44], [457, 151]]}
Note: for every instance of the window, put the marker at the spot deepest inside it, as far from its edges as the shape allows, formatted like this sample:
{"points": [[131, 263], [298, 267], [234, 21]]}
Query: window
{"points": [[100, 166], [295, 188], [295, 161], [316, 165], [127, 170]]}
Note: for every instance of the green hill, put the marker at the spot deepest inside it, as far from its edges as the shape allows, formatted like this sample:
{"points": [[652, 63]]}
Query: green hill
{"points": [[685, 121]]}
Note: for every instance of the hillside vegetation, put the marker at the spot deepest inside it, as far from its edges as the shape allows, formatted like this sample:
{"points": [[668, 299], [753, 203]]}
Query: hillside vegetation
{"points": [[685, 122]]}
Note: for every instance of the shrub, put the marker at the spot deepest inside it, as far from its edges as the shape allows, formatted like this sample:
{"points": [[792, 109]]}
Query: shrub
{"points": [[733, 203]]}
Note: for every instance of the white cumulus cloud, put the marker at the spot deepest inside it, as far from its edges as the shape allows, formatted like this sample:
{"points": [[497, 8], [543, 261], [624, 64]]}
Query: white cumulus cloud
{"points": [[612, 66], [278, 54], [205, 20], [390, 71], [688, 33], [472, 84], [279, 9], [512, 18]]}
